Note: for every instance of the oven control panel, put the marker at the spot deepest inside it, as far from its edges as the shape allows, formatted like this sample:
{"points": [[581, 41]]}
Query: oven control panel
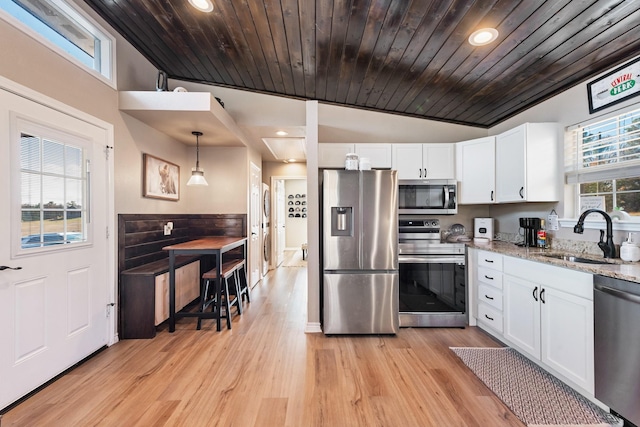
{"points": [[419, 229]]}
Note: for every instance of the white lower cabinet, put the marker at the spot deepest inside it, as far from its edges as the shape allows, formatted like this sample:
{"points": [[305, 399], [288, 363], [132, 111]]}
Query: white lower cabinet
{"points": [[488, 280], [567, 336], [522, 315], [490, 317], [548, 315]]}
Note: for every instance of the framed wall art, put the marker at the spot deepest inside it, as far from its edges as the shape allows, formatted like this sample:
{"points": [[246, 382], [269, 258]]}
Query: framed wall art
{"points": [[161, 179], [614, 87]]}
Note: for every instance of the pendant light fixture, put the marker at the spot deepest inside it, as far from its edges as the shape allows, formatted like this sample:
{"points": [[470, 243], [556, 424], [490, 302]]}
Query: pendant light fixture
{"points": [[197, 174]]}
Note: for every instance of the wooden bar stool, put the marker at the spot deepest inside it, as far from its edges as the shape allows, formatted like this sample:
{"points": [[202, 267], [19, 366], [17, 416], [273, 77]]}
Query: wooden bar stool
{"points": [[220, 296], [243, 284]]}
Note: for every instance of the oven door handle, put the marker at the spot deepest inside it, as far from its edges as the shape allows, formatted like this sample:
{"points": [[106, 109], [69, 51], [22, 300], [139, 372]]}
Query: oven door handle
{"points": [[431, 259]]}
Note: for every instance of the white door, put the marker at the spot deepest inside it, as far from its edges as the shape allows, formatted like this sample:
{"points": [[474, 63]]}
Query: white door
{"points": [[477, 171], [407, 160], [438, 161], [279, 221], [255, 222], [567, 336], [511, 166], [522, 314], [54, 179]]}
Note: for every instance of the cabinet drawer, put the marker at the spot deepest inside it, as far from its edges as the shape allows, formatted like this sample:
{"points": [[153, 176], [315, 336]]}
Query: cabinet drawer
{"points": [[490, 295], [489, 316], [490, 277], [574, 282], [490, 260]]}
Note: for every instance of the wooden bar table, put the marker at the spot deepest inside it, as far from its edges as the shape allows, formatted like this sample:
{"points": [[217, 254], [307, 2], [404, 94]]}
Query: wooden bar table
{"points": [[214, 245]]}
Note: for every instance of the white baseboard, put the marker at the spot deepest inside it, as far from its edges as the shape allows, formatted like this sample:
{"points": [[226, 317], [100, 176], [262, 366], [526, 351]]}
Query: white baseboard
{"points": [[313, 328]]}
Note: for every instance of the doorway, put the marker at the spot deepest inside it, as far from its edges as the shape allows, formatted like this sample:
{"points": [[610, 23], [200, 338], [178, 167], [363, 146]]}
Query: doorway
{"points": [[56, 306], [255, 222], [289, 221]]}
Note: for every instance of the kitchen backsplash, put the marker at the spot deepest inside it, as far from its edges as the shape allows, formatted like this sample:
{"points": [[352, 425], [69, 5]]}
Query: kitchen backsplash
{"points": [[577, 246]]}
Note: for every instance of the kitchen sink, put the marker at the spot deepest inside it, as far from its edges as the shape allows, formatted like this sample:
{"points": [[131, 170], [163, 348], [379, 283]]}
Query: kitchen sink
{"points": [[572, 258]]}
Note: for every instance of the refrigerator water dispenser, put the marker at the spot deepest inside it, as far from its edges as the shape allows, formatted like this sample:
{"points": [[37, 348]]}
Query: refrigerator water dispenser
{"points": [[342, 221]]}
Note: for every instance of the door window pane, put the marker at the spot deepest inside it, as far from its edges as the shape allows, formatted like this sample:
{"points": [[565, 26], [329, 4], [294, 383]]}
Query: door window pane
{"points": [[53, 182]]}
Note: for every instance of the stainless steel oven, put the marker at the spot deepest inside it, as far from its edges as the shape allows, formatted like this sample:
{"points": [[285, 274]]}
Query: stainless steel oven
{"points": [[433, 289]]}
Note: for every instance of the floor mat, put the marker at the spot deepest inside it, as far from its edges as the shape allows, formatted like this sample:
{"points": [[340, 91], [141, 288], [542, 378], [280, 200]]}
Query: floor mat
{"points": [[535, 396]]}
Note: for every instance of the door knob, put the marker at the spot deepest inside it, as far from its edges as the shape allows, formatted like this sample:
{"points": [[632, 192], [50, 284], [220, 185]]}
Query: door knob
{"points": [[6, 267]]}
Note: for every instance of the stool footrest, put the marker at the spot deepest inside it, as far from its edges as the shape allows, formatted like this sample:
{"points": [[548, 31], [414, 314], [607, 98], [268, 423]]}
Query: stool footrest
{"points": [[228, 267]]}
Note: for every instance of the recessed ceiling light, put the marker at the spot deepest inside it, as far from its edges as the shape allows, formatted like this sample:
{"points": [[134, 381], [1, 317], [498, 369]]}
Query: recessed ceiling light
{"points": [[203, 5], [292, 160], [483, 36], [281, 133]]}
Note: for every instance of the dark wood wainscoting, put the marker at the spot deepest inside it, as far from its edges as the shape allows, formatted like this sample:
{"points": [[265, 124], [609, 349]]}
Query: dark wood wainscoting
{"points": [[140, 241]]}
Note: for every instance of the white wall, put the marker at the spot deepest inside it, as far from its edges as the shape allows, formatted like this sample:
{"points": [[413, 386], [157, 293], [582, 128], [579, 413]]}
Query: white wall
{"points": [[271, 169], [29, 63], [343, 124], [226, 171]]}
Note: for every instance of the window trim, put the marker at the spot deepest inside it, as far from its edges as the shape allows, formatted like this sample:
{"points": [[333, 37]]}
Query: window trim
{"points": [[633, 226], [573, 184], [18, 124], [91, 25]]}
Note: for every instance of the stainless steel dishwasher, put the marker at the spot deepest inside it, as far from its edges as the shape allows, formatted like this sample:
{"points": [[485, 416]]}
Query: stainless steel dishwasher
{"points": [[617, 345]]}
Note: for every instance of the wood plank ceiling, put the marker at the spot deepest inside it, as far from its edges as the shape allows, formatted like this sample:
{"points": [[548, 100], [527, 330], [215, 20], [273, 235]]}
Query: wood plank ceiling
{"points": [[408, 57]]}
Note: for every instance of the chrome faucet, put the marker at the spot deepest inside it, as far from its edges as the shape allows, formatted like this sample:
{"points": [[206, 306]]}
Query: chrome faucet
{"points": [[607, 247]]}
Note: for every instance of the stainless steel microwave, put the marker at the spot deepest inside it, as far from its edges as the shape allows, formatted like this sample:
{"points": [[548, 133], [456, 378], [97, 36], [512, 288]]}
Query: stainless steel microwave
{"points": [[434, 197]]}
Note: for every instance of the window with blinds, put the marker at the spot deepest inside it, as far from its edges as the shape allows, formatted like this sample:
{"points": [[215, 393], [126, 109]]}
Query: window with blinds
{"points": [[53, 180], [603, 159]]}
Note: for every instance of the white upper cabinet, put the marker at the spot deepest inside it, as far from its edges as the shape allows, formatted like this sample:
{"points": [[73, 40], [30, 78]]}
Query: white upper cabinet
{"points": [[378, 154], [332, 155], [527, 164], [476, 171], [407, 160], [424, 161]]}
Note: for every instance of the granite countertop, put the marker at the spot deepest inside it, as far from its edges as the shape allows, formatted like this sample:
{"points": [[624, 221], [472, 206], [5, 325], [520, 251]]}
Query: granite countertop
{"points": [[615, 268]]}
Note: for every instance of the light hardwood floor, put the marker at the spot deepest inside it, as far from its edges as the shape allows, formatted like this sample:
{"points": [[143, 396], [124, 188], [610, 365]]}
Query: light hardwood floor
{"points": [[267, 372]]}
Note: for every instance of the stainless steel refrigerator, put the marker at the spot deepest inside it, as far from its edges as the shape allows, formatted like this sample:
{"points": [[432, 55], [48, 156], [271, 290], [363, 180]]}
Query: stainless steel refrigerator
{"points": [[360, 252]]}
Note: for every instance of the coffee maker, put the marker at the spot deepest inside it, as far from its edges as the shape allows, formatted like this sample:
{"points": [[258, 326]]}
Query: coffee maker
{"points": [[530, 227]]}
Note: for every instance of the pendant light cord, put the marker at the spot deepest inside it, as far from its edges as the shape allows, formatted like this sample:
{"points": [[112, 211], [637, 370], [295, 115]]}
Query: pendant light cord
{"points": [[197, 134]]}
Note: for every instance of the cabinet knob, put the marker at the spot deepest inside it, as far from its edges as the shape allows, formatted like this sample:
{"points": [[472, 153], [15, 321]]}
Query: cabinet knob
{"points": [[521, 192], [488, 297], [490, 318], [542, 296], [492, 195], [488, 277], [535, 293]]}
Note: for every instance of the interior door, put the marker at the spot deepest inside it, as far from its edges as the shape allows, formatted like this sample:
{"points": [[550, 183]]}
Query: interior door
{"points": [[255, 222], [53, 310], [279, 221]]}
